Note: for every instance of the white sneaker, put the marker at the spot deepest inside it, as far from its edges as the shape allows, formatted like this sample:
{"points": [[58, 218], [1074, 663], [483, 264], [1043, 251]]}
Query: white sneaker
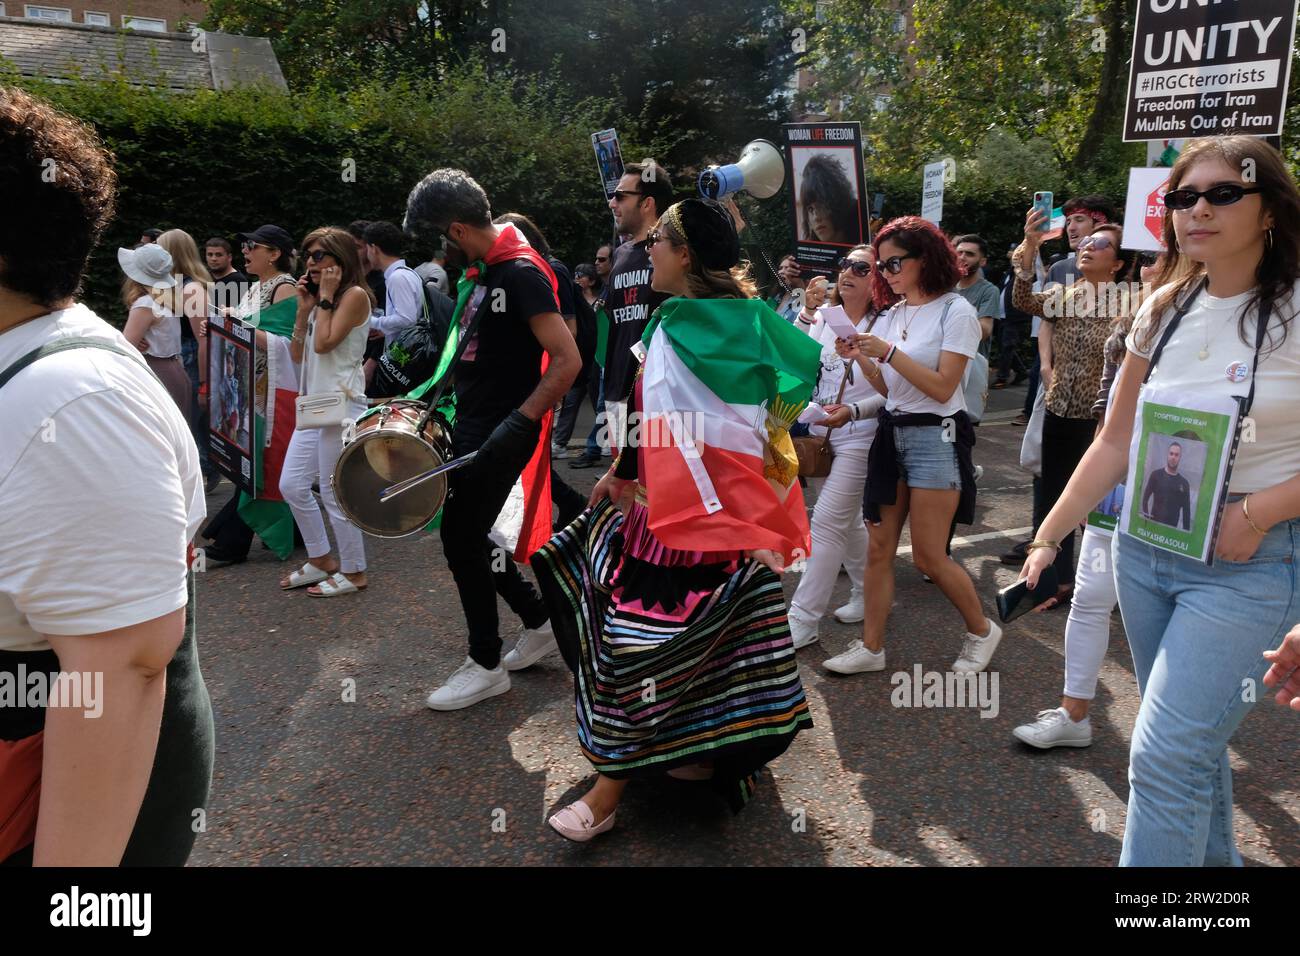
{"points": [[977, 651], [532, 646], [1054, 728], [853, 612], [468, 685], [979, 472], [803, 632], [559, 451], [858, 659]]}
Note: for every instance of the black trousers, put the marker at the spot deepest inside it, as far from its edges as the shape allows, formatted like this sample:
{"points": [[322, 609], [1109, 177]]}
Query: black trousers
{"points": [[1012, 334], [230, 535], [475, 497], [1064, 442], [569, 501]]}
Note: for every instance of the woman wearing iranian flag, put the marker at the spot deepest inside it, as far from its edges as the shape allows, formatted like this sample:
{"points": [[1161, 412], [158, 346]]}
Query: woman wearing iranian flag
{"points": [[665, 595]]}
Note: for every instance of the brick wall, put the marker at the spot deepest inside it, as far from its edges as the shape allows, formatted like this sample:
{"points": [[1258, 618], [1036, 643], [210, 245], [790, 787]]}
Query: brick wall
{"points": [[175, 13]]}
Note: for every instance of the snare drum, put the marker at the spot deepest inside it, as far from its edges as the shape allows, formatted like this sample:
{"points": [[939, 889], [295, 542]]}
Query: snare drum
{"points": [[385, 449]]}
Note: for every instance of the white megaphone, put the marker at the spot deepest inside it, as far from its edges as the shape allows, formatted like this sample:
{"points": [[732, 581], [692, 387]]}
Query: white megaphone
{"points": [[760, 171]]}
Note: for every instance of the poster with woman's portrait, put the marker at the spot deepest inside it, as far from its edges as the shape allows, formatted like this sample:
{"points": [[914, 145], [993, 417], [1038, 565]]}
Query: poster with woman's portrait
{"points": [[230, 401], [828, 192]]}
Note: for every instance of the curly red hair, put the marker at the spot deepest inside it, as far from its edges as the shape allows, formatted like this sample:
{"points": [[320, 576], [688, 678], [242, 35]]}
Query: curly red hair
{"points": [[923, 239]]}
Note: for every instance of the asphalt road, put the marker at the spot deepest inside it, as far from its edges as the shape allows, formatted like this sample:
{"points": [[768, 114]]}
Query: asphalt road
{"points": [[306, 777]]}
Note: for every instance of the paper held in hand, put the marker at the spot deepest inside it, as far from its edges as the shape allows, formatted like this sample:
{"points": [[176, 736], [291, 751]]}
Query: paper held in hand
{"points": [[838, 321]]}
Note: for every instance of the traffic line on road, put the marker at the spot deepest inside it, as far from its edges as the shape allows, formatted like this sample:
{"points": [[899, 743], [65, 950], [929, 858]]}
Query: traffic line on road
{"points": [[977, 538]]}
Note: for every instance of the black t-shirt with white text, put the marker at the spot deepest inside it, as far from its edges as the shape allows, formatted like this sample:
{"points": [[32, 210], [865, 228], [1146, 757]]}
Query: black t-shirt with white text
{"points": [[629, 303], [502, 363]]}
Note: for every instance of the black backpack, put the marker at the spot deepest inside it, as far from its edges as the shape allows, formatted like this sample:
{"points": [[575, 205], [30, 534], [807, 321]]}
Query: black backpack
{"points": [[412, 356]]}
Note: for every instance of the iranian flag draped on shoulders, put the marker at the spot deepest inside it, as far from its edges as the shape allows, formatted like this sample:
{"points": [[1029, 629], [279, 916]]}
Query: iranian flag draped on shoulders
{"points": [[724, 380]]}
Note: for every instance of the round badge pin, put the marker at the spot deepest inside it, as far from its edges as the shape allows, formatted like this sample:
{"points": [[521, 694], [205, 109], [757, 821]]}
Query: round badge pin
{"points": [[1237, 372]]}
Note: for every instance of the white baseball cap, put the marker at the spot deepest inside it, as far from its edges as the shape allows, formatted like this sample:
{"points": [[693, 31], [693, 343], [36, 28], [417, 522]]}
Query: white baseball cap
{"points": [[150, 265]]}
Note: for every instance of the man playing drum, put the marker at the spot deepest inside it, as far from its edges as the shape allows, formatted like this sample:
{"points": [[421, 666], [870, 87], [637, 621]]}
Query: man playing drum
{"points": [[502, 397]]}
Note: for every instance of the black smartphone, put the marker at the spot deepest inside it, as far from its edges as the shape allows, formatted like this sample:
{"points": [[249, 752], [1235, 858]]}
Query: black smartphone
{"points": [[312, 287], [1019, 599]]}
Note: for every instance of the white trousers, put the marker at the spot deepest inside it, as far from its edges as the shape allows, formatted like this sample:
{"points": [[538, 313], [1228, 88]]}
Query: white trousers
{"points": [[312, 455], [839, 535], [1087, 631]]}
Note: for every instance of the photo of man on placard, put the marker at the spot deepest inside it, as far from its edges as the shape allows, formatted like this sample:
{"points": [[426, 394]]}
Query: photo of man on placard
{"points": [[1170, 491]]}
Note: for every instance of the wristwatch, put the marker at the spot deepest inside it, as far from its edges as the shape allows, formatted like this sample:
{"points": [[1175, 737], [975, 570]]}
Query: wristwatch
{"points": [[326, 304]]}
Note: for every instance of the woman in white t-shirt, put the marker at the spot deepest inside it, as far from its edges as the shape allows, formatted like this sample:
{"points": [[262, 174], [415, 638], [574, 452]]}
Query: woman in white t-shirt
{"points": [[151, 294], [920, 469], [1198, 631], [838, 533]]}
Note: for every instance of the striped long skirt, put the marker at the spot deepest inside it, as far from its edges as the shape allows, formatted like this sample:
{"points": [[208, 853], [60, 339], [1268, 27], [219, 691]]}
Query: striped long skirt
{"points": [[678, 657]]}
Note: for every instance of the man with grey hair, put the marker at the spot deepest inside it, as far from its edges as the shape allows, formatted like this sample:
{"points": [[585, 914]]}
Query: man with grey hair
{"points": [[502, 397]]}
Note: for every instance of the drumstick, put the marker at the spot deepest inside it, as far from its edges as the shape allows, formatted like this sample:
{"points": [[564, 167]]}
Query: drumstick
{"points": [[392, 491]]}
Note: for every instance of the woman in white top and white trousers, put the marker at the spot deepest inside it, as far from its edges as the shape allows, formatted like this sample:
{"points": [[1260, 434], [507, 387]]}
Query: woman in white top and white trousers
{"points": [[839, 536], [329, 339]]}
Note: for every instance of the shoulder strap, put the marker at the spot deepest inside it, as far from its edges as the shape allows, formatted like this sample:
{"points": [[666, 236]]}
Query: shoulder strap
{"points": [[1173, 324], [62, 345]]}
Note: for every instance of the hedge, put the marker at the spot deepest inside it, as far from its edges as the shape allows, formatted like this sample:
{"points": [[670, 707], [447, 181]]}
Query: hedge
{"points": [[217, 163]]}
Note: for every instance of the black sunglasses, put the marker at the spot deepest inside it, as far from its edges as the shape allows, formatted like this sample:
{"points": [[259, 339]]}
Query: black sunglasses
{"points": [[1147, 259], [248, 244], [859, 268], [316, 255], [1225, 194], [602, 258], [892, 265], [621, 194], [653, 236]]}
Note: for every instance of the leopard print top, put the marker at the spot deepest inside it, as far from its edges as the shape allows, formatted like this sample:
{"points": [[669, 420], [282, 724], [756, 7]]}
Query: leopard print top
{"points": [[1079, 337]]}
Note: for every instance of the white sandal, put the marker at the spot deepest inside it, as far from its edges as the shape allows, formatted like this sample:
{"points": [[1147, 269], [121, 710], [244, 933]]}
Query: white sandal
{"points": [[334, 585], [305, 575]]}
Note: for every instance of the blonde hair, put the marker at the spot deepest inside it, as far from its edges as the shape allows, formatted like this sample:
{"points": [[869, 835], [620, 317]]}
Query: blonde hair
{"points": [[186, 260], [168, 298]]}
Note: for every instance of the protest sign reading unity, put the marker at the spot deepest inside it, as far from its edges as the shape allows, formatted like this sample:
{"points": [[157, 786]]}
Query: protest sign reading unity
{"points": [[1209, 70]]}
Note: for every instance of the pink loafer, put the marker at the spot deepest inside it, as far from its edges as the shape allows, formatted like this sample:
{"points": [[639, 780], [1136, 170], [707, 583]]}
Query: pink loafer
{"points": [[576, 822]]}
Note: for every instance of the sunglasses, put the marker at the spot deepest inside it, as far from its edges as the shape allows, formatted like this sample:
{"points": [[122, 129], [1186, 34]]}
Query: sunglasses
{"points": [[316, 255], [602, 258], [1095, 242], [621, 194], [1147, 259], [248, 244], [1225, 194], [858, 267], [893, 265], [654, 236]]}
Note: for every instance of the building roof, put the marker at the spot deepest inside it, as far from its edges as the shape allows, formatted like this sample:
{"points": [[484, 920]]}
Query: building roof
{"points": [[178, 61]]}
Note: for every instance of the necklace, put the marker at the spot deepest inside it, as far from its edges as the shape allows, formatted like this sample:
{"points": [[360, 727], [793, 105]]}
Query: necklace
{"points": [[1204, 353], [907, 323]]}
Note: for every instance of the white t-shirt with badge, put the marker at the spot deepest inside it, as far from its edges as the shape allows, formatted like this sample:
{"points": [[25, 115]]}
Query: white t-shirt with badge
{"points": [[100, 487], [1212, 324], [928, 334]]}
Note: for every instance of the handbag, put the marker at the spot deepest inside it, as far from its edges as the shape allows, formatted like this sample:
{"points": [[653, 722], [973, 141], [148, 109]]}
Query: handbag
{"points": [[1031, 447], [319, 409], [815, 453]]}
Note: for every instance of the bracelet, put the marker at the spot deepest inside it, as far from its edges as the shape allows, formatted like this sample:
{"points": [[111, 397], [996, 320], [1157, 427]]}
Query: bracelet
{"points": [[1245, 513], [888, 356], [1042, 543]]}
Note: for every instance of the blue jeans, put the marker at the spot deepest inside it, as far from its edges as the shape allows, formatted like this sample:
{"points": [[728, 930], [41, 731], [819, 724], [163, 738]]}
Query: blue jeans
{"points": [[926, 459], [1197, 634], [598, 403]]}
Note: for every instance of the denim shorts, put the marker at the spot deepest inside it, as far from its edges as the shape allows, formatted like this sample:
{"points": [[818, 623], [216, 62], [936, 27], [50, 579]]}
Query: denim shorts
{"points": [[926, 459]]}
